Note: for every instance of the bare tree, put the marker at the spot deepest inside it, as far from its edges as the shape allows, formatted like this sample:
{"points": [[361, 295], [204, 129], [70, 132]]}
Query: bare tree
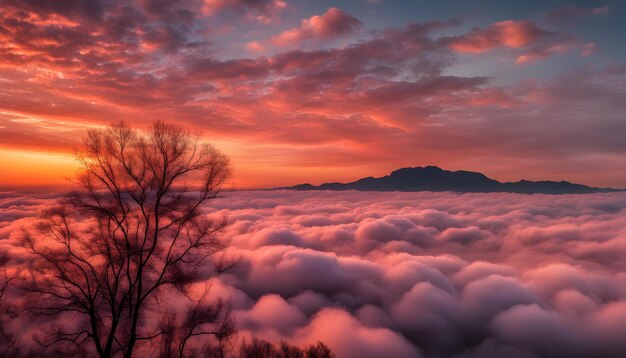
{"points": [[105, 258], [8, 344], [197, 322], [259, 348], [5, 278]]}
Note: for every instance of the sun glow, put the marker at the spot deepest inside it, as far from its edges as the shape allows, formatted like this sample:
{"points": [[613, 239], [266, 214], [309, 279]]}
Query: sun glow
{"points": [[21, 168]]}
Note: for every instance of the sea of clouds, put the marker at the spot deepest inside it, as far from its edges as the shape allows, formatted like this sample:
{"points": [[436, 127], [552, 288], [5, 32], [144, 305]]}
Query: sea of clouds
{"points": [[417, 274]]}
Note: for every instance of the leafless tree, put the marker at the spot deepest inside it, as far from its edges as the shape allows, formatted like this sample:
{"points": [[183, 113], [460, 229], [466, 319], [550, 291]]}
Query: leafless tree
{"points": [[8, 346], [105, 259], [5, 278], [259, 348], [195, 324]]}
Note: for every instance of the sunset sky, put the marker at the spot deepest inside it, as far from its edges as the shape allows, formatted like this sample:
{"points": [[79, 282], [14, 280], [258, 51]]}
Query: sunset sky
{"points": [[316, 91]]}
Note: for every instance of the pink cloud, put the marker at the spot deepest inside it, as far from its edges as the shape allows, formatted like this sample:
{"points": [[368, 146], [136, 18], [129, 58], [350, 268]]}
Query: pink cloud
{"points": [[350, 338], [547, 331], [414, 273], [255, 46], [333, 23], [527, 41], [274, 312], [589, 49], [509, 33]]}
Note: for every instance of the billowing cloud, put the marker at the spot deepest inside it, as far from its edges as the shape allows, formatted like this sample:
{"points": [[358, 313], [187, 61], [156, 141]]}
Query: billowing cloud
{"points": [[416, 274], [333, 23], [350, 338]]}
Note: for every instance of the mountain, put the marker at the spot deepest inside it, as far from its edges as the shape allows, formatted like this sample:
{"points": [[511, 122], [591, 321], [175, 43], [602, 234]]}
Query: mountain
{"points": [[433, 178]]}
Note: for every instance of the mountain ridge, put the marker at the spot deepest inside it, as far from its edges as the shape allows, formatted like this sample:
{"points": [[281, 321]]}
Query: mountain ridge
{"points": [[432, 178]]}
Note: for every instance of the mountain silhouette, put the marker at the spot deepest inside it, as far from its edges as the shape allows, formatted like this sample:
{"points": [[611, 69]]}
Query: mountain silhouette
{"points": [[433, 178]]}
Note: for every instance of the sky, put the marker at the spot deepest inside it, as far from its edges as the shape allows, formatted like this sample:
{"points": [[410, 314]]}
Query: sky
{"points": [[317, 91]]}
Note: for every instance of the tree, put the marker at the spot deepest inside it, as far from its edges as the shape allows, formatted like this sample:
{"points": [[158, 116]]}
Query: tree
{"points": [[179, 331], [110, 253], [8, 346], [259, 348]]}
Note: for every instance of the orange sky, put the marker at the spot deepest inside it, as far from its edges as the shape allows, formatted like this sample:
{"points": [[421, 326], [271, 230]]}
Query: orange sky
{"points": [[296, 92]]}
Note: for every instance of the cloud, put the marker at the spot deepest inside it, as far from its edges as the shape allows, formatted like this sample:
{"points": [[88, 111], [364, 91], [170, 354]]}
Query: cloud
{"points": [[349, 338], [467, 275], [428, 315], [332, 24], [565, 13], [375, 100], [274, 312], [529, 41], [265, 11], [508, 33], [546, 331]]}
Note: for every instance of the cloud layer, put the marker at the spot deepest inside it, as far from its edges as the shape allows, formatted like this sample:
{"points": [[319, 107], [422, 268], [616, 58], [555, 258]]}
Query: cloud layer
{"points": [[312, 91], [418, 274]]}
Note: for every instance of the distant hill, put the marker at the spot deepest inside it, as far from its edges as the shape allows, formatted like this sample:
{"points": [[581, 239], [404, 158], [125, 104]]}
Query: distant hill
{"points": [[433, 178]]}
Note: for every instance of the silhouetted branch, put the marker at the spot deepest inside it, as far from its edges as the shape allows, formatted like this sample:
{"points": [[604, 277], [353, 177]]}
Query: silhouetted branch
{"points": [[109, 251]]}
